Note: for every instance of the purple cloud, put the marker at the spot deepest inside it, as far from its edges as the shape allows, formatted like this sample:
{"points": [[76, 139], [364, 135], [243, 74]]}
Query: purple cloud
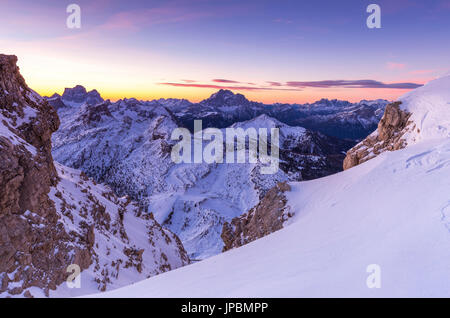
{"points": [[220, 80], [248, 88], [353, 84]]}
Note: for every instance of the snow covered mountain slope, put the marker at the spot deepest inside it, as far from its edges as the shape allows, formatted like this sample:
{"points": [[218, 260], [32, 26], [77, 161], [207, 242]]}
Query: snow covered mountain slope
{"points": [[430, 109], [126, 244], [52, 217], [127, 145], [391, 213], [382, 212], [304, 154], [419, 115], [116, 243]]}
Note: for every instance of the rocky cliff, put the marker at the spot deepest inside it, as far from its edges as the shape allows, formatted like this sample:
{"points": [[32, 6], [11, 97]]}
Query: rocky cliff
{"points": [[389, 136], [47, 224], [266, 217], [33, 249]]}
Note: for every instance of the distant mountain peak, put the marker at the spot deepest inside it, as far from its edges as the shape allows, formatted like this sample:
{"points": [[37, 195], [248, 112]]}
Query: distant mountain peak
{"points": [[225, 97], [69, 93], [79, 95], [331, 102], [55, 95], [223, 92]]}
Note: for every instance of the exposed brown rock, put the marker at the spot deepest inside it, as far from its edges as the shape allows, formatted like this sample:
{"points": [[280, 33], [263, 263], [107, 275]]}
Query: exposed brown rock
{"points": [[388, 137], [32, 243], [266, 217], [94, 113], [35, 249], [27, 294]]}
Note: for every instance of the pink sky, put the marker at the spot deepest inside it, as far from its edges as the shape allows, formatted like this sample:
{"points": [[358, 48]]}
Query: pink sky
{"points": [[189, 49]]}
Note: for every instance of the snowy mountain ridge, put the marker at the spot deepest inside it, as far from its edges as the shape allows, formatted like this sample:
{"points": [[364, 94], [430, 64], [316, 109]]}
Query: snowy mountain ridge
{"points": [[127, 144], [75, 97], [53, 218], [391, 212], [418, 115], [128, 245], [430, 109], [336, 118]]}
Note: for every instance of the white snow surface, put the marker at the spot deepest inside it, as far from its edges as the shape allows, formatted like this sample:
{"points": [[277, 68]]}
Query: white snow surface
{"points": [[392, 211], [126, 144], [159, 246], [381, 212], [191, 200], [6, 132], [430, 108]]}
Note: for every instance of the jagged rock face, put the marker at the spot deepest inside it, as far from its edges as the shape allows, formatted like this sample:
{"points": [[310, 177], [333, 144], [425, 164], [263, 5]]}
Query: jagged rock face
{"points": [[49, 221], [31, 246], [95, 113], [26, 167], [393, 122], [388, 137], [78, 94], [266, 217], [121, 239], [30, 118]]}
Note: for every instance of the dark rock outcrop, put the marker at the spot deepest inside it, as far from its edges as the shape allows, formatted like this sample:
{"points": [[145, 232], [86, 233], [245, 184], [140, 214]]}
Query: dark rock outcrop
{"points": [[35, 250], [40, 199], [79, 95], [76, 96], [388, 137], [266, 217]]}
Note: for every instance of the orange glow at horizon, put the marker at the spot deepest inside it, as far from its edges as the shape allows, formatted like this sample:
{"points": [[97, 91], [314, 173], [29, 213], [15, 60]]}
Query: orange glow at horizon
{"points": [[56, 66], [198, 94]]}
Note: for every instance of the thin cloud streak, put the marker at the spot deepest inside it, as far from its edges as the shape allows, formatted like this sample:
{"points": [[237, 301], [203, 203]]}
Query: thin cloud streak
{"points": [[220, 80], [226, 81], [353, 84], [248, 88], [294, 85]]}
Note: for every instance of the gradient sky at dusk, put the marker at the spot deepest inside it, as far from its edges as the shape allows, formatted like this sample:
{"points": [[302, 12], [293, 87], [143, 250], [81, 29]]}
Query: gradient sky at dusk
{"points": [[271, 51]]}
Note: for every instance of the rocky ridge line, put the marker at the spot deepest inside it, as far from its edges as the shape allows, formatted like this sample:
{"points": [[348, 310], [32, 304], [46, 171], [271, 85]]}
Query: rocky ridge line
{"points": [[52, 216], [266, 217], [388, 137]]}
